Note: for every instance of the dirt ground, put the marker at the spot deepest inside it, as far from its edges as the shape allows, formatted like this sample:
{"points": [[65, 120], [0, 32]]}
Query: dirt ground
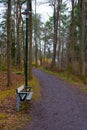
{"points": [[62, 107]]}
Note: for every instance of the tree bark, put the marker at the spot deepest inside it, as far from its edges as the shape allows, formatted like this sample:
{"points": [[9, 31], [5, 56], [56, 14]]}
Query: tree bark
{"points": [[82, 36], [9, 76], [57, 5], [18, 34], [30, 39], [35, 37], [72, 40]]}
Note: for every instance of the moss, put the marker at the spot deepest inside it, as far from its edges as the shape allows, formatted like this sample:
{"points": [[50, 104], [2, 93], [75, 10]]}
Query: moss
{"points": [[67, 76], [84, 90], [6, 93], [9, 118], [69, 68], [2, 115], [35, 88], [3, 68], [19, 73]]}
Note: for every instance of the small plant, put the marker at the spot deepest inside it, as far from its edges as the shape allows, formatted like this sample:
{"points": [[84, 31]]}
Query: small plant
{"points": [[3, 68], [2, 115], [85, 90], [69, 68], [83, 77], [19, 72]]}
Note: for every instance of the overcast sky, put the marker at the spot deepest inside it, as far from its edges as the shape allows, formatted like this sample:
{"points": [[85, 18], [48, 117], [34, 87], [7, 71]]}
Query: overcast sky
{"points": [[1, 10], [44, 10]]}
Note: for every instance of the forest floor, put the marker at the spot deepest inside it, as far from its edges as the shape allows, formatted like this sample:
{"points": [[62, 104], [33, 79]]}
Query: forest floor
{"points": [[10, 119], [63, 106]]}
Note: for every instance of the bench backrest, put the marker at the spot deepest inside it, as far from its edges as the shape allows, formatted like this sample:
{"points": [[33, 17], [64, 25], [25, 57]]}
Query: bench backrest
{"points": [[22, 93], [18, 90]]}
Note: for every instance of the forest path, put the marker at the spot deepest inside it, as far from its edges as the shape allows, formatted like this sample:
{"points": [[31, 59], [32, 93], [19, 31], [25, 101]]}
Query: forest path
{"points": [[62, 107]]}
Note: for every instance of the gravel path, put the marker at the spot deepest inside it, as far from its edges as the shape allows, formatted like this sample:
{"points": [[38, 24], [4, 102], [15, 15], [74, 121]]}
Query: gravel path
{"points": [[62, 107]]}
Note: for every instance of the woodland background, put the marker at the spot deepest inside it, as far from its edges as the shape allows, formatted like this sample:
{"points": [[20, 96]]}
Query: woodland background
{"points": [[58, 44]]}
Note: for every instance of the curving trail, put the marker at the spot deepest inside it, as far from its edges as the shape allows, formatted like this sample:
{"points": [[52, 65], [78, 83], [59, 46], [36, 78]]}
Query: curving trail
{"points": [[62, 107]]}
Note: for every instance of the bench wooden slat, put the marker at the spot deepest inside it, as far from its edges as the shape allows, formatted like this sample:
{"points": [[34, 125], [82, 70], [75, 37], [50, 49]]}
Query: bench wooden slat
{"points": [[24, 92], [20, 89]]}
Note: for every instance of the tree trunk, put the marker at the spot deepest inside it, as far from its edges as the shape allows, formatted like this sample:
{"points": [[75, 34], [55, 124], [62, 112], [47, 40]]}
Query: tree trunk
{"points": [[72, 40], [35, 38], [40, 53], [55, 38], [56, 18], [82, 36], [9, 76], [30, 40], [59, 45], [44, 58], [18, 34], [23, 43]]}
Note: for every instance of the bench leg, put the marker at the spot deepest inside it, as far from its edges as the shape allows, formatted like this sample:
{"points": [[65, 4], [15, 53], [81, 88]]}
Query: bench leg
{"points": [[18, 103]]}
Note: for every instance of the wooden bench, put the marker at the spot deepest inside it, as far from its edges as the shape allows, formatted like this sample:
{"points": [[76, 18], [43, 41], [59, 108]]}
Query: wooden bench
{"points": [[22, 95]]}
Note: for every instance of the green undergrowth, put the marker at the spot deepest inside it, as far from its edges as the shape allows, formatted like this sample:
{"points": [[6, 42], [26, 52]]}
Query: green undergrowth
{"points": [[6, 93], [2, 115], [85, 90], [34, 83], [67, 77], [20, 73], [3, 68]]}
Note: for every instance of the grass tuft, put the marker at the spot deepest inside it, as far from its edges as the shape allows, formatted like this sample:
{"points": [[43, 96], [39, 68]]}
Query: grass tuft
{"points": [[67, 76], [6, 93], [35, 88], [2, 115]]}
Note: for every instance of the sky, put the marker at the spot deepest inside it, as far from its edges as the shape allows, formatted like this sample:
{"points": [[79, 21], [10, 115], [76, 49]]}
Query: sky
{"points": [[44, 10], [1, 10]]}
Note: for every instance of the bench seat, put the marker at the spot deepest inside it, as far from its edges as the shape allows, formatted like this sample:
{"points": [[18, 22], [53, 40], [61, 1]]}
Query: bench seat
{"points": [[22, 95], [29, 96]]}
